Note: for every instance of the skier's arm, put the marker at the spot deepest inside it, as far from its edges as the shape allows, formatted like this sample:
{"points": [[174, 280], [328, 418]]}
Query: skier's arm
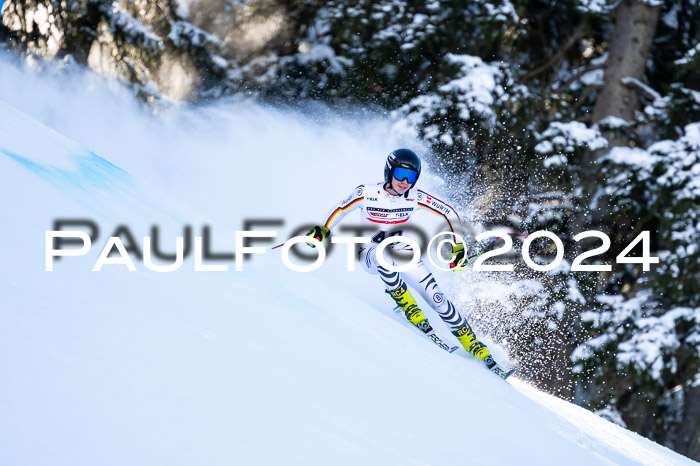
{"points": [[436, 206], [344, 207], [336, 214], [443, 209]]}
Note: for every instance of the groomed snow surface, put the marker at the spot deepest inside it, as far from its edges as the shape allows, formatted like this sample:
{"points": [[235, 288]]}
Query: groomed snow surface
{"points": [[262, 366]]}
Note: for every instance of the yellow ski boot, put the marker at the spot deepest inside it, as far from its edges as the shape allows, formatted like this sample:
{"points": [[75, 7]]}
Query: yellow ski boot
{"points": [[408, 304], [466, 337]]}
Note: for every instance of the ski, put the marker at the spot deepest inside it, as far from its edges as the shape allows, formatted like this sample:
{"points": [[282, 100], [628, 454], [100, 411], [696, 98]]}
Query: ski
{"points": [[429, 332], [501, 373], [496, 369]]}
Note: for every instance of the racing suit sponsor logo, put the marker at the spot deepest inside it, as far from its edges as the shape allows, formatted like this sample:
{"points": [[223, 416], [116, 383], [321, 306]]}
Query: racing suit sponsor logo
{"points": [[440, 207]]}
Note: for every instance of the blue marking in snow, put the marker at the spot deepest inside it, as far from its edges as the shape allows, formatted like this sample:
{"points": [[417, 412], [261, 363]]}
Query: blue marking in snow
{"points": [[95, 182], [90, 171], [32, 166]]}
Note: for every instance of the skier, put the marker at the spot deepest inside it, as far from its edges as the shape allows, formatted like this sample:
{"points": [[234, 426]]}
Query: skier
{"points": [[391, 203]]}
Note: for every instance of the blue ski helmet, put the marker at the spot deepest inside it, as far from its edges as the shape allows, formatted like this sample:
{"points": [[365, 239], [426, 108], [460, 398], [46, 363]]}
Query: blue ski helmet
{"points": [[400, 164]]}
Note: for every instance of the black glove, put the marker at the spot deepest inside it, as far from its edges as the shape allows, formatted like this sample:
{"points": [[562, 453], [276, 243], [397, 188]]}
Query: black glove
{"points": [[457, 260], [320, 233]]}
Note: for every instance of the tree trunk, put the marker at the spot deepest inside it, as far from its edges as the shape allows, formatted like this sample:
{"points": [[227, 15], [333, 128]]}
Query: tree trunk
{"points": [[635, 26], [630, 44], [688, 439]]}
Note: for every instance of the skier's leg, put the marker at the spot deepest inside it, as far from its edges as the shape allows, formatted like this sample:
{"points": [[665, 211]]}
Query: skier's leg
{"points": [[421, 279], [395, 286]]}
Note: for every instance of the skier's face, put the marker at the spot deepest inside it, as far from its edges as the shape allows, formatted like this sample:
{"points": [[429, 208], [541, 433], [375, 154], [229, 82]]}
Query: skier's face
{"points": [[400, 186]]}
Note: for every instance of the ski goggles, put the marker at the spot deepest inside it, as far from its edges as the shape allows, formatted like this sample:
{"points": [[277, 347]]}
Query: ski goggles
{"points": [[401, 173]]}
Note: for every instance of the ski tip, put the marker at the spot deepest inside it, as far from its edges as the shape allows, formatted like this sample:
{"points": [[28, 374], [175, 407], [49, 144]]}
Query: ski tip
{"points": [[509, 373], [453, 349]]}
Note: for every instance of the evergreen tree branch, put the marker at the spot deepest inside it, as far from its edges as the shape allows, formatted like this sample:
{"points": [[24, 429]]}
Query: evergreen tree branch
{"points": [[573, 38], [578, 76]]}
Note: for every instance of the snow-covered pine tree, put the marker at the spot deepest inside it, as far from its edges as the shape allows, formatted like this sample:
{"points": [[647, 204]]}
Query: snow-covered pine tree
{"points": [[644, 359], [148, 44]]}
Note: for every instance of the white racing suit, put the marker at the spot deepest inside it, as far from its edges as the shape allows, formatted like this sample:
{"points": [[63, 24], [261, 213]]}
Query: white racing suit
{"points": [[388, 212]]}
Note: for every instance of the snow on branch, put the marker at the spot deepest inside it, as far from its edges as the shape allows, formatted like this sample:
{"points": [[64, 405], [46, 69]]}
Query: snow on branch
{"points": [[472, 94], [640, 88], [184, 34], [134, 30], [310, 53], [593, 6], [654, 337], [567, 137], [689, 56], [476, 86]]}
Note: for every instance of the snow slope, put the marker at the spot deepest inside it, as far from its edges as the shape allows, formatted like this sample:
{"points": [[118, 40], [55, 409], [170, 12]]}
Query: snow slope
{"points": [[263, 366]]}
